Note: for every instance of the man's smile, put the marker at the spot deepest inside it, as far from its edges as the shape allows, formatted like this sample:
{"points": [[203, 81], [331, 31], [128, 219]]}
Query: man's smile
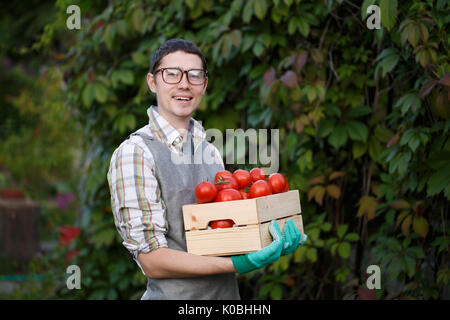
{"points": [[183, 97]]}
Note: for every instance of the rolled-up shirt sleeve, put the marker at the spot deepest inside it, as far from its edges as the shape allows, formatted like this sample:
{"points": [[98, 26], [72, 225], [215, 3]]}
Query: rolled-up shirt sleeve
{"points": [[139, 211]]}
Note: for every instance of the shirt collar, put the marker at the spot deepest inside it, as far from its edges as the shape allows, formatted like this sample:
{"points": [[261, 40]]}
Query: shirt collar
{"points": [[166, 133]]}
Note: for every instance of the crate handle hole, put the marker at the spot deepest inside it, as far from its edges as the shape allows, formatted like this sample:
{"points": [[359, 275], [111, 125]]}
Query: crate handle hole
{"points": [[221, 224]]}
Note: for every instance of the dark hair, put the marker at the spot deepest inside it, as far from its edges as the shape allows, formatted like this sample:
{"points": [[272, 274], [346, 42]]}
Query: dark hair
{"points": [[173, 45]]}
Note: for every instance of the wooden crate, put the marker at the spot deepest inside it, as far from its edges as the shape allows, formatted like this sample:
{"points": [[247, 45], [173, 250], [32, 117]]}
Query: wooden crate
{"points": [[252, 217]]}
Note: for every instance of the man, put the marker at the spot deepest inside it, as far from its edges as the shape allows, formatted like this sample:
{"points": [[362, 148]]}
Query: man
{"points": [[148, 189]]}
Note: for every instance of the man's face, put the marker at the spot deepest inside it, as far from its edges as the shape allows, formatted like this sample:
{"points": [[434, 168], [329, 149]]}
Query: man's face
{"points": [[168, 105]]}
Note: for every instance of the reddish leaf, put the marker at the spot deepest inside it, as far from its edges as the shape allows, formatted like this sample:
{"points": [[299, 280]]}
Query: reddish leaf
{"points": [[289, 281], [367, 205], [269, 77], [401, 216], [289, 79], [440, 105], [315, 180], [406, 225], [427, 87], [376, 190], [394, 140], [301, 60], [445, 80], [429, 20], [58, 56], [420, 226], [400, 204], [333, 191], [289, 61], [418, 208], [336, 174], [313, 191], [366, 294], [319, 195]]}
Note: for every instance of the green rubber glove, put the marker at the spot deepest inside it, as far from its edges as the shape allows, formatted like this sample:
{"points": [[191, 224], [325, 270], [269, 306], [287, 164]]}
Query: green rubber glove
{"points": [[267, 255], [292, 238]]}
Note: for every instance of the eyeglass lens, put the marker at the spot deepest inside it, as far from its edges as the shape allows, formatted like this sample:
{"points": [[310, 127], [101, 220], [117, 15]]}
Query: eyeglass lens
{"points": [[174, 76]]}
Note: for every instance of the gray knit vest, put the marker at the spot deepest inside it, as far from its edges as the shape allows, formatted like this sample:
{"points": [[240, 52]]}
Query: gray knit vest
{"points": [[177, 182]]}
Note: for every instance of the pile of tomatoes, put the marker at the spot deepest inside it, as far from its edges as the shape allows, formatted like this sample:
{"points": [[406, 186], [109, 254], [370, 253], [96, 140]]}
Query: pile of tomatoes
{"points": [[241, 184]]}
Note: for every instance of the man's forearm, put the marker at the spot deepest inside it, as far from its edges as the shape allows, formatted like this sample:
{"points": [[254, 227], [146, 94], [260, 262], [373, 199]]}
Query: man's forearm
{"points": [[169, 263]]}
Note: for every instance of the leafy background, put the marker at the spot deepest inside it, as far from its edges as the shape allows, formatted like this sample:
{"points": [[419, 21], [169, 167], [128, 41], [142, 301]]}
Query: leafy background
{"points": [[363, 116]]}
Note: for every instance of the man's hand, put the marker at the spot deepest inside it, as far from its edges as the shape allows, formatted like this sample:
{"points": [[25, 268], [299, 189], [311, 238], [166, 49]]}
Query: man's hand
{"points": [[292, 238], [267, 255]]}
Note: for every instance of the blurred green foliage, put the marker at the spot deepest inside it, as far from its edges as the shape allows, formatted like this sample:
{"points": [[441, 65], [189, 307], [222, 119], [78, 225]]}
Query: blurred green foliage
{"points": [[363, 117]]}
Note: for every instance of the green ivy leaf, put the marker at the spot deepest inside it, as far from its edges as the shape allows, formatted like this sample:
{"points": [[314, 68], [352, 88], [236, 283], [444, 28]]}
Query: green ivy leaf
{"points": [[389, 64], [258, 49], [292, 25], [383, 133], [438, 181], [311, 254], [108, 36], [388, 59], [360, 111], [326, 126], [122, 28], [341, 230], [140, 59], [357, 130], [395, 267], [138, 20], [277, 292], [248, 11], [344, 250], [374, 147], [364, 7], [359, 149], [326, 226], [260, 7], [87, 96], [101, 92], [338, 137], [303, 27], [409, 265], [352, 237], [388, 12]]}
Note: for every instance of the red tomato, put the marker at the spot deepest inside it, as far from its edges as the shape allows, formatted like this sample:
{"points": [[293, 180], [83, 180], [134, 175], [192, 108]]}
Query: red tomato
{"points": [[227, 183], [205, 192], [242, 177], [228, 223], [286, 187], [259, 188], [223, 173], [228, 195], [244, 194], [277, 182], [257, 174]]}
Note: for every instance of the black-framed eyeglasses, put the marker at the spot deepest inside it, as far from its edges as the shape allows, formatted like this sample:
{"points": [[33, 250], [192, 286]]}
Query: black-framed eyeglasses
{"points": [[174, 75]]}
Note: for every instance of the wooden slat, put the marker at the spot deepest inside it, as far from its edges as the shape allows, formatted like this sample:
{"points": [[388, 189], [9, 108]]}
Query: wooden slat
{"points": [[223, 242], [266, 237], [197, 216], [278, 205]]}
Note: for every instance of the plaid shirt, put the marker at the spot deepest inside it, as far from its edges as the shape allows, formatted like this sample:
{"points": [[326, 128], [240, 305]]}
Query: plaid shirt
{"points": [[141, 221]]}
